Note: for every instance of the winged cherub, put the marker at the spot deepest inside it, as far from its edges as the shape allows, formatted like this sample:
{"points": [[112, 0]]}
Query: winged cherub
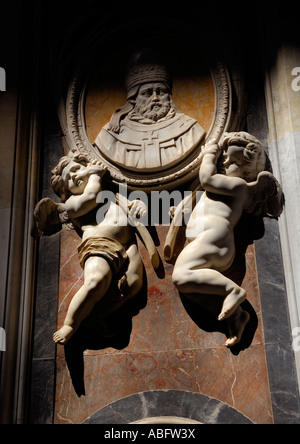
{"points": [[243, 185], [108, 250]]}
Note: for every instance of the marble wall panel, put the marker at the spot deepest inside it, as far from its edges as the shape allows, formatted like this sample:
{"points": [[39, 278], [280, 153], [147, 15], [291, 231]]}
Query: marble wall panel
{"points": [[166, 350], [166, 345]]}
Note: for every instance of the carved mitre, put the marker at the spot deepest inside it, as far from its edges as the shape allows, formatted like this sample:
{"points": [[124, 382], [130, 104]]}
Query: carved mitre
{"points": [[146, 66]]}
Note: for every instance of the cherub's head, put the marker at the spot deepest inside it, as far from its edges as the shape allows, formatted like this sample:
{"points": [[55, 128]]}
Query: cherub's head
{"points": [[69, 177], [243, 155]]}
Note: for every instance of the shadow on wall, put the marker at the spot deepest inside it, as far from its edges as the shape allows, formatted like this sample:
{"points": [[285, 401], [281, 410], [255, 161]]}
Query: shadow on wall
{"points": [[209, 323], [95, 335], [116, 331]]}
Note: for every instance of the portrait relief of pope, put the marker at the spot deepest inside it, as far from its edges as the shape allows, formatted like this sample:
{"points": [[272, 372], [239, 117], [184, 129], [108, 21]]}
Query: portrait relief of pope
{"points": [[148, 133]]}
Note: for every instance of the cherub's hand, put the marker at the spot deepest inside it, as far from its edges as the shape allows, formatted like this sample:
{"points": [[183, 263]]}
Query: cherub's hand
{"points": [[137, 209], [172, 212], [212, 148], [97, 167]]}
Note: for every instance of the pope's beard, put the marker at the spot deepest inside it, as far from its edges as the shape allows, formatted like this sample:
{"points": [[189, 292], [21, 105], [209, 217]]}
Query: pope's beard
{"points": [[153, 111]]}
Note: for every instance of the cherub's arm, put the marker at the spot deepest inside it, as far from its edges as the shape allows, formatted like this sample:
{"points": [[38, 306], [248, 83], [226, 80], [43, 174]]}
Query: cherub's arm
{"points": [[79, 205], [213, 182]]}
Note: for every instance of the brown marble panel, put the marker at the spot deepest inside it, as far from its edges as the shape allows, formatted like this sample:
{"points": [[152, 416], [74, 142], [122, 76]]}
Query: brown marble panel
{"points": [[239, 381], [167, 350]]}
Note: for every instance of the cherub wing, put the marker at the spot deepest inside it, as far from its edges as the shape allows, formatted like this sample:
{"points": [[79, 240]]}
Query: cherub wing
{"points": [[49, 218], [267, 196]]}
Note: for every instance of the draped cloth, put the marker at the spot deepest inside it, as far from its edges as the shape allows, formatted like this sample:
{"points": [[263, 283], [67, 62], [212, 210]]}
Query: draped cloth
{"points": [[109, 249]]}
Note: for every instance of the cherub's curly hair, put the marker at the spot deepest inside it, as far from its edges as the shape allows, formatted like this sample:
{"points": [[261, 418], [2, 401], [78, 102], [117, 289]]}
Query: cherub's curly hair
{"points": [[253, 152], [56, 181]]}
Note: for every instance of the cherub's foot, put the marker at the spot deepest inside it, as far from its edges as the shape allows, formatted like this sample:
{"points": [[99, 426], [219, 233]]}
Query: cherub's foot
{"points": [[236, 325], [62, 335], [231, 302]]}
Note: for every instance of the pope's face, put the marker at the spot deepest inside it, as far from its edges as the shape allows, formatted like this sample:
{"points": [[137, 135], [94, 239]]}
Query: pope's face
{"points": [[153, 101]]}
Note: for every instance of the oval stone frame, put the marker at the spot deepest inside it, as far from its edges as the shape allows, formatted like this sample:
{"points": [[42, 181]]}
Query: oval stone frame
{"points": [[72, 117]]}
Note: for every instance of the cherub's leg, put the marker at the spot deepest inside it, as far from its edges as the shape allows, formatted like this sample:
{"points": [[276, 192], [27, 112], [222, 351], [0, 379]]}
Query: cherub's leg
{"points": [[196, 283], [197, 270], [134, 273], [131, 283], [209, 281], [235, 296], [97, 279]]}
